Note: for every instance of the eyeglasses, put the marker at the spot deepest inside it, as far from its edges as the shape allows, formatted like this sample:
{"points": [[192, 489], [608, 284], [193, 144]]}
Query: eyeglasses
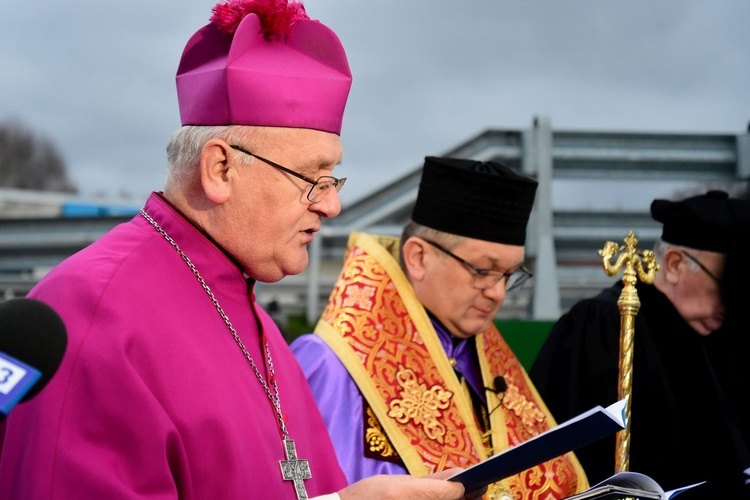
{"points": [[483, 279], [704, 268], [319, 187]]}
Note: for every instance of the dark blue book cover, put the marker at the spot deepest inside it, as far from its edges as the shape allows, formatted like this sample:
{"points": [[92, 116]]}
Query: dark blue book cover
{"points": [[595, 424]]}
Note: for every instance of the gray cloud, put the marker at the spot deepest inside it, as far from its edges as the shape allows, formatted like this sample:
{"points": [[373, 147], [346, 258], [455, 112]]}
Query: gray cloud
{"points": [[98, 78]]}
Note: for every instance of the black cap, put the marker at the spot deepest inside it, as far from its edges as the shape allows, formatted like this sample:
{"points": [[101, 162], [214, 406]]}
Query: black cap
{"points": [[705, 222], [482, 200]]}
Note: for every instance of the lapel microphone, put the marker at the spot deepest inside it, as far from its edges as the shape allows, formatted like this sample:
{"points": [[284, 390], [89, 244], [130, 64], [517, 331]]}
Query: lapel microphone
{"points": [[499, 388], [499, 385]]}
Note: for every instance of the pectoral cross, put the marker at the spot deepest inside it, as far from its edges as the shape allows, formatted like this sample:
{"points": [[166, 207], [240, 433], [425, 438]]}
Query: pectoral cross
{"points": [[294, 469]]}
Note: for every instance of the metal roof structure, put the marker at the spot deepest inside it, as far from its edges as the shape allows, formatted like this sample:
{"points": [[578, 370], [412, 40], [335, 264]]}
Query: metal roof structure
{"points": [[567, 226], [562, 244]]}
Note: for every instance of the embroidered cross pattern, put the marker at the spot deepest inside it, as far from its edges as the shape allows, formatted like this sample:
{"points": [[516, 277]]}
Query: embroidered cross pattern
{"points": [[295, 470], [420, 404]]}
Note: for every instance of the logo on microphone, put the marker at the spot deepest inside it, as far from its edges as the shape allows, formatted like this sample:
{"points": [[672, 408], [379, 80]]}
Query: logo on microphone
{"points": [[16, 378]]}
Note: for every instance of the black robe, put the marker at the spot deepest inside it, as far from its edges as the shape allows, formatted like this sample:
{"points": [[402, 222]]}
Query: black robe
{"points": [[685, 420]]}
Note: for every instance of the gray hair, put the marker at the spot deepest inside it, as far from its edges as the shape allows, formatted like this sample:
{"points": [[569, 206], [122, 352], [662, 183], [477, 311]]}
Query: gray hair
{"points": [[185, 146], [661, 247], [446, 240]]}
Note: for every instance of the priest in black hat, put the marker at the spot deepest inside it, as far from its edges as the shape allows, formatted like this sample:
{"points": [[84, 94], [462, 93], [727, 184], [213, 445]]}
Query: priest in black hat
{"points": [[684, 427], [406, 364]]}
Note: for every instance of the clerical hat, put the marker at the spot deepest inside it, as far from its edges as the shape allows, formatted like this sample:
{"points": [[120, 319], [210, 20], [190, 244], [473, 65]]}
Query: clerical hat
{"points": [[482, 200], [264, 63], [705, 222]]}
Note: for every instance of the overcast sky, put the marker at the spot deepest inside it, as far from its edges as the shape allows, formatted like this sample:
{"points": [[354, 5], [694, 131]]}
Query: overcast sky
{"points": [[97, 77]]}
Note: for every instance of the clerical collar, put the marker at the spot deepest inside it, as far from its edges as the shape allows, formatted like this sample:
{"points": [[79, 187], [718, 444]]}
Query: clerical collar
{"points": [[461, 354], [250, 287], [452, 345]]}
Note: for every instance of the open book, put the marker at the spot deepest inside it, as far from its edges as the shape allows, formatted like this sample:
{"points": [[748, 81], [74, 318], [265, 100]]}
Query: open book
{"points": [[570, 435], [632, 485]]}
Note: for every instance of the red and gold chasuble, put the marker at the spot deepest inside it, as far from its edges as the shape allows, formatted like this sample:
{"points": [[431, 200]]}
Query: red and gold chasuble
{"points": [[382, 334]]}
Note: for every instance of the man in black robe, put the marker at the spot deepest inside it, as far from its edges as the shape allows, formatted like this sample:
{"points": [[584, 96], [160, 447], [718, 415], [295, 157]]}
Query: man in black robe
{"points": [[685, 425]]}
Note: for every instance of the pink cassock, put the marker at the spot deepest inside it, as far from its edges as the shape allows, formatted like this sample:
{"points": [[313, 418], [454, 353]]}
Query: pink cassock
{"points": [[154, 398]]}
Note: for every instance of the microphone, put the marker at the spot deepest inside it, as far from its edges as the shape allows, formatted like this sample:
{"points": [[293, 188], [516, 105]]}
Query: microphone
{"points": [[499, 386], [32, 344]]}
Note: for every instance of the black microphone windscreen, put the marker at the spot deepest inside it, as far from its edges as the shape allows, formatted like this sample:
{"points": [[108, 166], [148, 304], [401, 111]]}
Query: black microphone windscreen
{"points": [[500, 384], [32, 332]]}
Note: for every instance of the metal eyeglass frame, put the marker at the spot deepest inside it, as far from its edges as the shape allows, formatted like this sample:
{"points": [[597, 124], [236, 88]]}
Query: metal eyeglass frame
{"points": [[324, 181], [704, 268], [523, 274]]}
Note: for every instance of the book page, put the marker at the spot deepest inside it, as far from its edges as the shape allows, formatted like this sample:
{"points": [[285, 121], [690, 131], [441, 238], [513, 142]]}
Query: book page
{"points": [[570, 435], [632, 484]]}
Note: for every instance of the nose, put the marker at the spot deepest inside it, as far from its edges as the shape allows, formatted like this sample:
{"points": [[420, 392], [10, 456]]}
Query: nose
{"points": [[329, 205], [497, 291]]}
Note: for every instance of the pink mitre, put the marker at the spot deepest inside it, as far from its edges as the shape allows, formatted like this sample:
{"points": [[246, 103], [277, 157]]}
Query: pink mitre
{"points": [[264, 63]]}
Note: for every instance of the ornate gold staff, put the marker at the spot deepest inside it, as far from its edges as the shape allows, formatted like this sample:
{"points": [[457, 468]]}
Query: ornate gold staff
{"points": [[633, 261]]}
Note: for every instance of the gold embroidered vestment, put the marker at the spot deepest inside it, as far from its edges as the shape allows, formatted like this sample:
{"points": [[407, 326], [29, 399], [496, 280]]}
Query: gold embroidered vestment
{"points": [[384, 337]]}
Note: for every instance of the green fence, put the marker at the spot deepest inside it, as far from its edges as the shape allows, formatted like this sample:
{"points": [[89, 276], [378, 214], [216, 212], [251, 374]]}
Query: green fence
{"points": [[525, 337]]}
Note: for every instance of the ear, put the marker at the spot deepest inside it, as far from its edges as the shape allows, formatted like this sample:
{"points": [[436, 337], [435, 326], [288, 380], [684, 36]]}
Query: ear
{"points": [[216, 171], [673, 260], [413, 252]]}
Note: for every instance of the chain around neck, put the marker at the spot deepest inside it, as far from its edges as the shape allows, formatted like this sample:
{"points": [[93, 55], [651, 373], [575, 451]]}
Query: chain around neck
{"points": [[272, 397]]}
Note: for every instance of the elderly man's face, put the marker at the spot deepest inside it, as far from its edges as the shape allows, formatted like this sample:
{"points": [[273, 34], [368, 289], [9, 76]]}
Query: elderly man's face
{"points": [[268, 222], [696, 294], [445, 288]]}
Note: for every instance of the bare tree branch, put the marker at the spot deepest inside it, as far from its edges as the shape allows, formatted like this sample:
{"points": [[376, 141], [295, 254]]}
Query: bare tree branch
{"points": [[28, 161]]}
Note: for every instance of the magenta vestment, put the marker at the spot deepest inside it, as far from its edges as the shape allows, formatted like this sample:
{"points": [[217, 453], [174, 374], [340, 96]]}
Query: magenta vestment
{"points": [[154, 398]]}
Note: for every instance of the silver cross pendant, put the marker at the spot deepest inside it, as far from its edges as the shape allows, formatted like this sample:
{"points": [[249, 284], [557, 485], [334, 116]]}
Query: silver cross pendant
{"points": [[294, 469]]}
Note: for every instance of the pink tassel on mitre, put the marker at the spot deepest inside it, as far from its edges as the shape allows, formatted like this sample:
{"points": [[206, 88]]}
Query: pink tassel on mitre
{"points": [[276, 16]]}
